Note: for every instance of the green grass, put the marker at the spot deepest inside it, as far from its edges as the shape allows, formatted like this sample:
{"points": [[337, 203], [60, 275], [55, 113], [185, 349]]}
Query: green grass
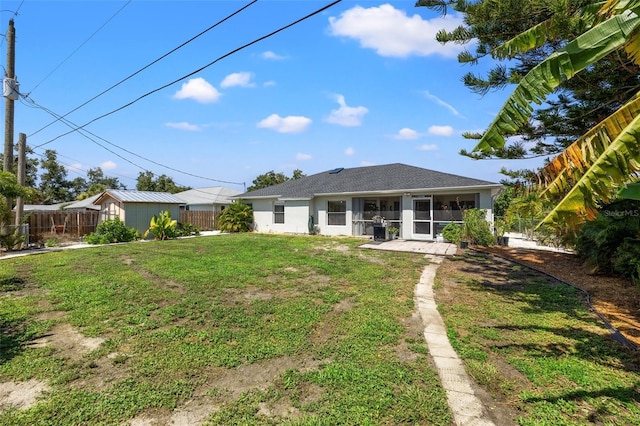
{"points": [[319, 318], [534, 344]]}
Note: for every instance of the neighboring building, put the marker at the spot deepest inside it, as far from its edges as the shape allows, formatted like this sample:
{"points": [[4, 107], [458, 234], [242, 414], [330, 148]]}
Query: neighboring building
{"points": [[136, 208], [213, 199], [418, 201]]}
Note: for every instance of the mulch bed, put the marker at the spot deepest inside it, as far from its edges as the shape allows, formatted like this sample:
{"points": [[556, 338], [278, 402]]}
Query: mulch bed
{"points": [[615, 298]]}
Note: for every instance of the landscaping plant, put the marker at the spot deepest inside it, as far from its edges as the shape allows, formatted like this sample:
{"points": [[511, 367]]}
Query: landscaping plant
{"points": [[238, 217], [476, 229], [112, 231], [162, 227]]}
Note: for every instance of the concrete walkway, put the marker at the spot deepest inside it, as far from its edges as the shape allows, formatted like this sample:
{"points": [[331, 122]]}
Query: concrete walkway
{"points": [[466, 407]]}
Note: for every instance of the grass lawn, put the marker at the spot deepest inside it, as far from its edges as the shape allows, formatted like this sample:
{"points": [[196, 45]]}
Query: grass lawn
{"points": [[534, 344], [235, 329]]}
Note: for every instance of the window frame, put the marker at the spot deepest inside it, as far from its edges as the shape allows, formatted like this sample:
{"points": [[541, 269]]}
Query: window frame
{"points": [[337, 214], [278, 216]]}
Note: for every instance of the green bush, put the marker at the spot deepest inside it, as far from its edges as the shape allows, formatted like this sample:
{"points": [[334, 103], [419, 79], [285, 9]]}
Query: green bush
{"points": [[162, 227], [452, 232], [186, 229], [476, 229], [609, 244], [238, 217], [112, 231], [627, 259]]}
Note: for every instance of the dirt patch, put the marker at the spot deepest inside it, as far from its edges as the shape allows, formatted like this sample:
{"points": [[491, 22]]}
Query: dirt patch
{"points": [[68, 341], [615, 298], [21, 395]]}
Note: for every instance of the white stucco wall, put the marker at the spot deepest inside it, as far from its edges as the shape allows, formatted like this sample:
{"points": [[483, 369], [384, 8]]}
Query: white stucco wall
{"points": [[296, 216], [321, 216]]}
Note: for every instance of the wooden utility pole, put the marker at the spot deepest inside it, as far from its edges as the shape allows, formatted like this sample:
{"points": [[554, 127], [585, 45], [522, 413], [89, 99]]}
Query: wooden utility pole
{"points": [[10, 73], [22, 175]]}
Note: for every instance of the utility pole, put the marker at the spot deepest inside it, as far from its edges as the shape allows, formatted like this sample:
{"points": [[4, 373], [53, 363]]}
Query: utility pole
{"points": [[9, 90], [21, 175]]}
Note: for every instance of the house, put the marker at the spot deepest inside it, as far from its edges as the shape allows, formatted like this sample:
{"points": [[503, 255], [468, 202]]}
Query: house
{"points": [[212, 199], [420, 202], [136, 208]]}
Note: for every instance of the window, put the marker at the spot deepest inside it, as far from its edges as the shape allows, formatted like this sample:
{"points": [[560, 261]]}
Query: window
{"points": [[337, 213], [278, 213]]}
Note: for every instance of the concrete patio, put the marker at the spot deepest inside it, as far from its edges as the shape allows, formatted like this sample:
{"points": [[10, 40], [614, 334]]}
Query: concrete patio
{"points": [[412, 246]]}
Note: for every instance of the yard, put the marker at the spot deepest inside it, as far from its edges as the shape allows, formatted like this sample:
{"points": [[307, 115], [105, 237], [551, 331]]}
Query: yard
{"points": [[268, 329]]}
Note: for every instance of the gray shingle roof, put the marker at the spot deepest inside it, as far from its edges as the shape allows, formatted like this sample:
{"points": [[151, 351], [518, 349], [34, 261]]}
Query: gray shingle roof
{"points": [[384, 178], [129, 196]]}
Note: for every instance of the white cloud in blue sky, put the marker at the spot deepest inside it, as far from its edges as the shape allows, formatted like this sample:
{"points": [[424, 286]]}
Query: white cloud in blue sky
{"points": [[345, 115], [199, 90], [349, 151], [428, 147], [241, 79], [442, 103], [272, 56], [391, 32], [303, 157], [183, 125], [108, 165], [290, 124], [406, 134], [441, 130]]}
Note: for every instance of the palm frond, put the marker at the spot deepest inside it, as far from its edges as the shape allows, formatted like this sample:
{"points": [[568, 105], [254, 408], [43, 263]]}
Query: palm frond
{"points": [[569, 166], [543, 79], [602, 180]]}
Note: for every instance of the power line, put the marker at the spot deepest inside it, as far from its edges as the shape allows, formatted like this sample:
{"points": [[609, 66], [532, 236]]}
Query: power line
{"points": [[198, 70], [84, 132], [149, 64], [80, 47], [14, 15]]}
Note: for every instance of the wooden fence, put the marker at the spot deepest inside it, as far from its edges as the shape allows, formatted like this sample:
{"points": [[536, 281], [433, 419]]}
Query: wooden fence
{"points": [[74, 224], [204, 220]]}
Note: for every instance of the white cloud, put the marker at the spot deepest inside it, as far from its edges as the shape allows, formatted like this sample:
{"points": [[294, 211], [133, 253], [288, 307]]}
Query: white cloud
{"points": [[349, 151], [406, 134], [303, 157], [199, 90], [428, 147], [242, 79], [441, 130], [108, 165], [290, 124], [75, 167], [269, 83], [346, 115], [183, 125], [442, 103], [272, 56], [390, 32]]}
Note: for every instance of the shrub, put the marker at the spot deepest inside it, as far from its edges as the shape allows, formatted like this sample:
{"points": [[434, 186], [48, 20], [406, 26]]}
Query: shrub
{"points": [[162, 226], [452, 232], [238, 217], [476, 229], [186, 229], [112, 231], [608, 243]]}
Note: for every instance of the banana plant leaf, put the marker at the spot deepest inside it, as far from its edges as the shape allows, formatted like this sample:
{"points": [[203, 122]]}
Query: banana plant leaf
{"points": [[601, 181], [604, 38], [631, 191]]}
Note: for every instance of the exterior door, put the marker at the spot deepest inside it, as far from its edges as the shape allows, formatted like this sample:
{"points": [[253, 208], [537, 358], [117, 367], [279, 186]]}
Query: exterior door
{"points": [[422, 221]]}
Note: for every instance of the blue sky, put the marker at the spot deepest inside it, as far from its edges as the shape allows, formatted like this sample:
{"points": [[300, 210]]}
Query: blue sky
{"points": [[361, 83]]}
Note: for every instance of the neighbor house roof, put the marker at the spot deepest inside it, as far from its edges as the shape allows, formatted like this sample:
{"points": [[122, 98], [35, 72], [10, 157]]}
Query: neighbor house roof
{"points": [[384, 178], [211, 195], [87, 203], [130, 196]]}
